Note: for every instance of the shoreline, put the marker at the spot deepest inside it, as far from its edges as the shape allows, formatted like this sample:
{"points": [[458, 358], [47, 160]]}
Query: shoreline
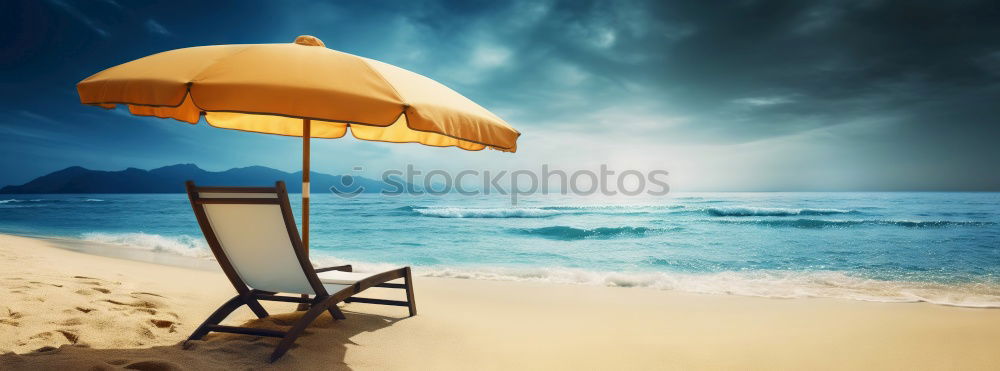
{"points": [[114, 251], [496, 324], [760, 284]]}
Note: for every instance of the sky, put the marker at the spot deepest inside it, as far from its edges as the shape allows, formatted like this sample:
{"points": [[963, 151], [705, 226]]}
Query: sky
{"points": [[726, 96]]}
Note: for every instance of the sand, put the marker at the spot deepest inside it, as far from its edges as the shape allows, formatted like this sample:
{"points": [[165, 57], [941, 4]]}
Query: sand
{"points": [[62, 309]]}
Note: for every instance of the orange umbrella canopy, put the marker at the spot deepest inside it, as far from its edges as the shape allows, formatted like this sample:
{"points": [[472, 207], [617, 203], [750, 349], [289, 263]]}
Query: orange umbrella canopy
{"points": [[271, 88]]}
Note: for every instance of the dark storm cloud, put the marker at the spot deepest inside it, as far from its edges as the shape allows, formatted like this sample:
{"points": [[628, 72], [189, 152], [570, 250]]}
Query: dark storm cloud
{"points": [[744, 70], [754, 68], [837, 61], [739, 72]]}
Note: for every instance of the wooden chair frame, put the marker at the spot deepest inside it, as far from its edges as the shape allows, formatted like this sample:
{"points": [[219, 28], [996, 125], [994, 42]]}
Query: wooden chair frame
{"points": [[321, 302]]}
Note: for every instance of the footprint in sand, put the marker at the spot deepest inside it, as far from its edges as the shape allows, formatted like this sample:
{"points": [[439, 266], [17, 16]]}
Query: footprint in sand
{"points": [[70, 337], [136, 303], [95, 283], [137, 300], [89, 291], [170, 326], [80, 309], [70, 322], [44, 283], [13, 315], [148, 293], [83, 292], [11, 319], [153, 365]]}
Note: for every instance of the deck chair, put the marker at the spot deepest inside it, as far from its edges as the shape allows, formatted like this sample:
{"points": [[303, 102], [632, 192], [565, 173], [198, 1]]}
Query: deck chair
{"points": [[253, 235]]}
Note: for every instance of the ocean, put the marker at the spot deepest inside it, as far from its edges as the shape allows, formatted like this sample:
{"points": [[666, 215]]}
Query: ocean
{"points": [[941, 248]]}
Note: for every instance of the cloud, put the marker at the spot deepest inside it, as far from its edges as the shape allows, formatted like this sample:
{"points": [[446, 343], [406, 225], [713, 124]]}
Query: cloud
{"points": [[38, 118], [113, 3], [83, 18], [568, 74], [489, 56], [28, 125], [762, 101], [990, 62], [156, 28]]}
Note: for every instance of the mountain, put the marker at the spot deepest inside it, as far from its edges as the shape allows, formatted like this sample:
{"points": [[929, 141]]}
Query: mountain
{"points": [[170, 179]]}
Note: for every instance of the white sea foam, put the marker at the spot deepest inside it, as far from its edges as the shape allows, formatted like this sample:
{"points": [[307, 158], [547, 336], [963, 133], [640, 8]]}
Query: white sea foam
{"points": [[821, 223], [536, 212], [772, 211], [47, 200], [459, 212], [769, 284], [16, 200], [561, 232], [547, 211], [182, 245]]}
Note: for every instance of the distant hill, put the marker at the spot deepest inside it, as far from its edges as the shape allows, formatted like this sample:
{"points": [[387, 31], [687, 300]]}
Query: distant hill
{"points": [[170, 179]]}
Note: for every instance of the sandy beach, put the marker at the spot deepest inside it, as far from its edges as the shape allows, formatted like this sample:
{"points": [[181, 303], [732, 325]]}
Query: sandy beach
{"points": [[69, 310]]}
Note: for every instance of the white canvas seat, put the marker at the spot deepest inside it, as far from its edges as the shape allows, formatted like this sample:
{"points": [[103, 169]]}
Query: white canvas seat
{"points": [[341, 277], [333, 287], [252, 233]]}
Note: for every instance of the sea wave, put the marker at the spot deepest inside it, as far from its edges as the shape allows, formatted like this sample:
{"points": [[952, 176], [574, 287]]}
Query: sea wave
{"points": [[769, 211], [47, 200], [615, 208], [182, 245], [758, 283], [823, 223], [768, 284], [619, 210], [561, 232], [459, 212], [18, 200], [534, 212]]}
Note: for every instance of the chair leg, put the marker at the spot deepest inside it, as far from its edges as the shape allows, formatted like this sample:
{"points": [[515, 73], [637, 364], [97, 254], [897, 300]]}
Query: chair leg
{"points": [[255, 306], [335, 312], [298, 328], [408, 281], [217, 316], [303, 306]]}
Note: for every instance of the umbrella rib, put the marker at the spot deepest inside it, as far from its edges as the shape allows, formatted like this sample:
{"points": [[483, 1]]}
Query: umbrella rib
{"points": [[406, 105]]}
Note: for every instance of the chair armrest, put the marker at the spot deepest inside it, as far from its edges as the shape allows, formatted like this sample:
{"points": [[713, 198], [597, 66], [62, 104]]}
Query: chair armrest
{"points": [[344, 268]]}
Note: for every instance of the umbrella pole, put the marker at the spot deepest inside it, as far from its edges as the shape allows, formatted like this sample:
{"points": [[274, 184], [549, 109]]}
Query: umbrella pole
{"points": [[306, 133]]}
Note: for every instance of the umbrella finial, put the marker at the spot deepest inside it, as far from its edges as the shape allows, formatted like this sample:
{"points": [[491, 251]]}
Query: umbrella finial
{"points": [[309, 40]]}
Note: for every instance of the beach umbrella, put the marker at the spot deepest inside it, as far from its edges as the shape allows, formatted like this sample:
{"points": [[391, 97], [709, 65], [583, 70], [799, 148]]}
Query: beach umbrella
{"points": [[301, 89]]}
